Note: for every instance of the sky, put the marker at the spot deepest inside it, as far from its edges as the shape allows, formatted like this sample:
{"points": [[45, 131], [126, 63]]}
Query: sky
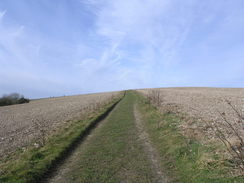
{"points": [[66, 47]]}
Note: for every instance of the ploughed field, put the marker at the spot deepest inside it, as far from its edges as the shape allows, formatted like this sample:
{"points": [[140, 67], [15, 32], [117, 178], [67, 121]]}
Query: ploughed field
{"points": [[23, 125], [203, 106], [171, 134]]}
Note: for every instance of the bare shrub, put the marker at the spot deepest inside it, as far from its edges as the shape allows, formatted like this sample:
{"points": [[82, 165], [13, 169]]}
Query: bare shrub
{"points": [[230, 136], [154, 97]]}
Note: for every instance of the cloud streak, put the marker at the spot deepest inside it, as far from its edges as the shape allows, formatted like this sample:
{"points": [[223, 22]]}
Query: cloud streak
{"points": [[74, 46], [149, 34]]}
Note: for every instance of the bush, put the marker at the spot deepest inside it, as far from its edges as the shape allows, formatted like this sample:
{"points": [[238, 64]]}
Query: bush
{"points": [[224, 130], [13, 98], [154, 97]]}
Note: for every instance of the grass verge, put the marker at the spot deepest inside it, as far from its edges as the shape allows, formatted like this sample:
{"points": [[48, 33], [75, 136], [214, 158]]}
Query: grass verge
{"points": [[32, 165], [185, 159]]}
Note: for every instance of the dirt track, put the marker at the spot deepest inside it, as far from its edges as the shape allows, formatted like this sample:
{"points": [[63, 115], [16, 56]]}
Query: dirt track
{"points": [[18, 123], [118, 150]]}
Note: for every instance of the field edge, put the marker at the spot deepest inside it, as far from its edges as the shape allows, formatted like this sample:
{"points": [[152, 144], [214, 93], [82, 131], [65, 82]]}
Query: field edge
{"points": [[36, 163], [181, 156]]}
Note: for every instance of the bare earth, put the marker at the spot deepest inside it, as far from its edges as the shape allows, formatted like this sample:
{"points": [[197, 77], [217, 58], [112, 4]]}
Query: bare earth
{"points": [[204, 104], [18, 122]]}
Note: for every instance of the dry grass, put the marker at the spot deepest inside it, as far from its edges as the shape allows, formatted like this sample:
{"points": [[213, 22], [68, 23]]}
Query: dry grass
{"points": [[203, 107], [28, 124]]}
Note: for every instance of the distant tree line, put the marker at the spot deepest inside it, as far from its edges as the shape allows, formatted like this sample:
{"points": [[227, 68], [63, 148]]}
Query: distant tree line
{"points": [[13, 98]]}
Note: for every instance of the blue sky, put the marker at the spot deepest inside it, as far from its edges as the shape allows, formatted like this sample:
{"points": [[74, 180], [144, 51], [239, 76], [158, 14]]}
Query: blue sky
{"points": [[65, 47]]}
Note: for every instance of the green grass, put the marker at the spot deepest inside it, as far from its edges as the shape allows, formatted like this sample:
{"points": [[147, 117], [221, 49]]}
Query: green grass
{"points": [[185, 159], [29, 166], [113, 153]]}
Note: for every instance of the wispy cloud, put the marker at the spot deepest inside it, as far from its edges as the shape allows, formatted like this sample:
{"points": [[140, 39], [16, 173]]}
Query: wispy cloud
{"points": [[2, 13], [149, 34], [21, 69], [100, 45]]}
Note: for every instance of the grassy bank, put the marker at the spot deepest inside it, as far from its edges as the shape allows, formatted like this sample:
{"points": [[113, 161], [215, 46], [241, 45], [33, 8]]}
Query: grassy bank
{"points": [[185, 159], [113, 153], [32, 164]]}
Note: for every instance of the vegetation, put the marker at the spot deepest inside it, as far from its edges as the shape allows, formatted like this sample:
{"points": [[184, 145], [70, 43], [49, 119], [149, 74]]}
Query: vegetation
{"points": [[222, 131], [226, 130], [30, 165], [13, 98], [154, 97], [185, 159]]}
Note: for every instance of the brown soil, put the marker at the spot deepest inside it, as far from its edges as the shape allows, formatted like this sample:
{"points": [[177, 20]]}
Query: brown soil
{"points": [[20, 124]]}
